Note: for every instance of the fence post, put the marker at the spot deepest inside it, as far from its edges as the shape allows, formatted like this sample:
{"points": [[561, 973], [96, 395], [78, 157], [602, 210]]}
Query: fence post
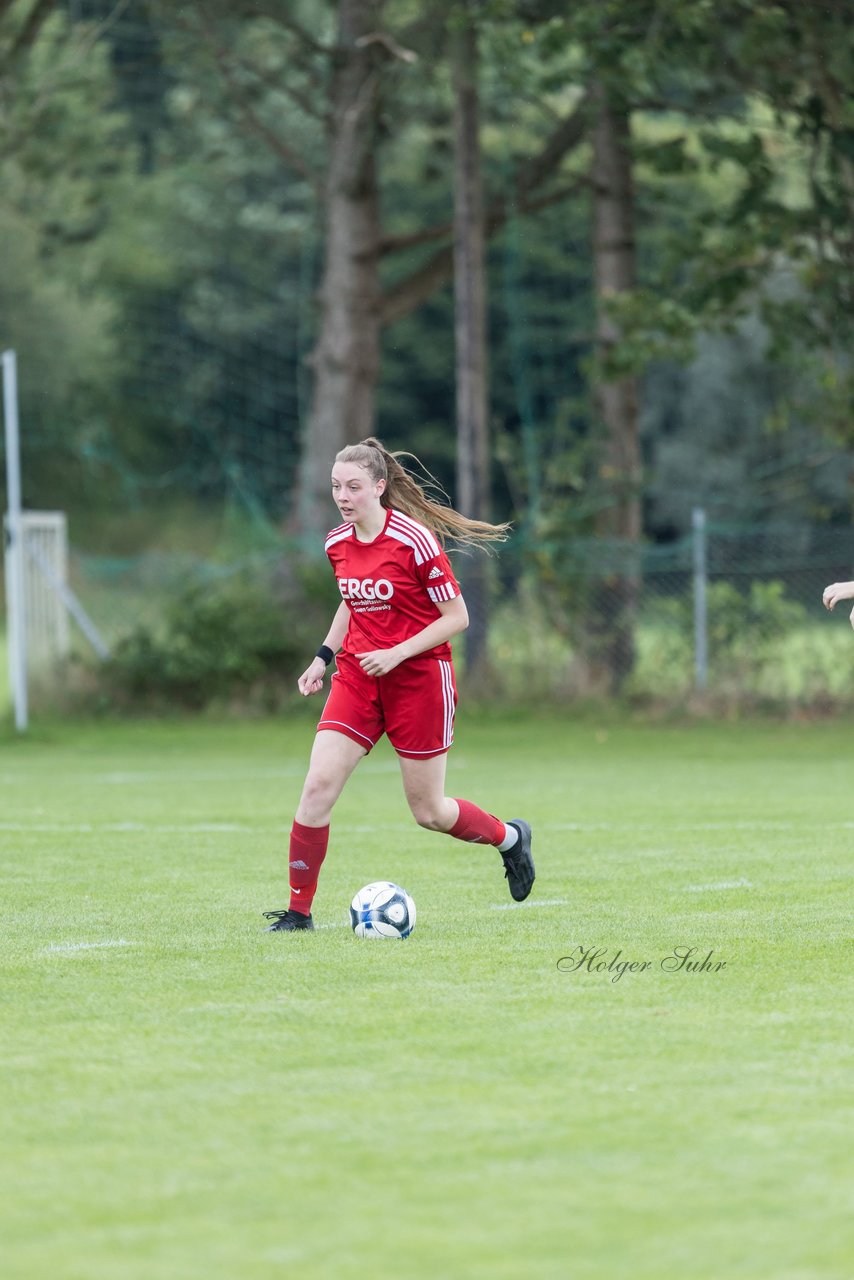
{"points": [[16, 637], [701, 621]]}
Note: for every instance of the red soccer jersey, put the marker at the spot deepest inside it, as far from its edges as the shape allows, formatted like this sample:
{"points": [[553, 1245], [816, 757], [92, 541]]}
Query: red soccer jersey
{"points": [[391, 584]]}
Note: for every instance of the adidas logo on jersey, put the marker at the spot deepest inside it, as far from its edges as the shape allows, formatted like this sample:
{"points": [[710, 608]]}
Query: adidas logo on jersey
{"points": [[435, 572]]}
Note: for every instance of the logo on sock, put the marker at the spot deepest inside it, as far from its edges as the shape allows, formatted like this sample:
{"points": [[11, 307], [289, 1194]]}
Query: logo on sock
{"points": [[299, 865]]}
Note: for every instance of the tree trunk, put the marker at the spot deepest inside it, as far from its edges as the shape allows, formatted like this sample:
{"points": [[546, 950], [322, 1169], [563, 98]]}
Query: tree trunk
{"points": [[616, 599], [345, 359], [408, 293], [470, 334]]}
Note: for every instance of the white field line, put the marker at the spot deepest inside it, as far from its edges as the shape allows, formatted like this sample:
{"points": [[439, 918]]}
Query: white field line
{"points": [[721, 884], [88, 828], [531, 902], [60, 947], [88, 946], [664, 825], [122, 777], [493, 906], [528, 905], [176, 828], [363, 828]]}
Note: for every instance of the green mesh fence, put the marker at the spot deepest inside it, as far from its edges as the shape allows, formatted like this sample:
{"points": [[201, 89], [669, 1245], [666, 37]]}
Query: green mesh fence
{"points": [[768, 636]]}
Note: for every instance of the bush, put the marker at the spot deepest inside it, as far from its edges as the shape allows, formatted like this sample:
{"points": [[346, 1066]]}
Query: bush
{"points": [[218, 641], [765, 651]]}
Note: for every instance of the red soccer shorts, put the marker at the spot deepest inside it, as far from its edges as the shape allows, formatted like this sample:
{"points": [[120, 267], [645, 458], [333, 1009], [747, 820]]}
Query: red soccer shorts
{"points": [[414, 705]]}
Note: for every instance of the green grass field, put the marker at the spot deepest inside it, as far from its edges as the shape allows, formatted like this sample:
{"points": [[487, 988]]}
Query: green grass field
{"points": [[187, 1097]]}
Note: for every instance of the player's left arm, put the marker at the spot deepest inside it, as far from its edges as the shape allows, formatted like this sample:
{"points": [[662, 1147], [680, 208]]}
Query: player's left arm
{"points": [[454, 619]]}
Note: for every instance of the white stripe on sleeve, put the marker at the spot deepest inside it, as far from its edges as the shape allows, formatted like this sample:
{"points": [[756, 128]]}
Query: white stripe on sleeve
{"points": [[444, 592]]}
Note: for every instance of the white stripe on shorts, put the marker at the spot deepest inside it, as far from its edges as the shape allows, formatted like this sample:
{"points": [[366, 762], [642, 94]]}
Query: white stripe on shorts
{"points": [[448, 700], [331, 724]]}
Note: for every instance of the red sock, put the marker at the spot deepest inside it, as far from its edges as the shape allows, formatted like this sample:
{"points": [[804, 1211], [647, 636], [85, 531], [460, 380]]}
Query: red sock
{"points": [[476, 825], [305, 858]]}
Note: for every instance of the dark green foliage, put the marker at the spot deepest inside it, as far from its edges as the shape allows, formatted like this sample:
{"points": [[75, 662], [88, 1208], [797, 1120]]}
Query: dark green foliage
{"points": [[161, 284], [221, 640], [740, 622]]}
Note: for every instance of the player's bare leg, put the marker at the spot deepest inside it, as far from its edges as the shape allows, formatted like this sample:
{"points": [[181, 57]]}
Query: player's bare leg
{"points": [[424, 785], [334, 756]]}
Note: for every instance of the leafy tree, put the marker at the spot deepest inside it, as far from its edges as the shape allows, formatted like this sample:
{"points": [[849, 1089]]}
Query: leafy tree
{"points": [[167, 195], [755, 210], [60, 169]]}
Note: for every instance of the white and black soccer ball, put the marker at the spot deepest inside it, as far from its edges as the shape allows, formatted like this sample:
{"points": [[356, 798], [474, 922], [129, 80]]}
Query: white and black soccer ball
{"points": [[382, 910]]}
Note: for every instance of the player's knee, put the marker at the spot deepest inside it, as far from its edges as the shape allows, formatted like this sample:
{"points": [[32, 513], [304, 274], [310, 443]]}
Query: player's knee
{"points": [[318, 794], [428, 815]]}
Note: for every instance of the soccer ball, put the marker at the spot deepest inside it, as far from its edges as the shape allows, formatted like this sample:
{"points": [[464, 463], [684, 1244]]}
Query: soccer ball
{"points": [[382, 910]]}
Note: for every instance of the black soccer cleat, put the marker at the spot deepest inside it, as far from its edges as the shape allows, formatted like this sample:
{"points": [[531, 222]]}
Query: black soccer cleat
{"points": [[518, 863], [288, 921]]}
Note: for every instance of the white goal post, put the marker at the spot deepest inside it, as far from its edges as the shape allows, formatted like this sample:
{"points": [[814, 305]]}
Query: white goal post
{"points": [[44, 561], [38, 597]]}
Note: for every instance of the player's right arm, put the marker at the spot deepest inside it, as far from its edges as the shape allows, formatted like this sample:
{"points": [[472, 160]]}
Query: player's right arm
{"points": [[311, 680], [838, 591]]}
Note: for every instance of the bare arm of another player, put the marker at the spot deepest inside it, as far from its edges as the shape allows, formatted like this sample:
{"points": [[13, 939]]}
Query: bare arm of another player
{"points": [[311, 680], [838, 591], [454, 619]]}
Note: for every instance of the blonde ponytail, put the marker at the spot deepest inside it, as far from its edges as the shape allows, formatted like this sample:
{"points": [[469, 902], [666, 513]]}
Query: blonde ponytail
{"points": [[404, 493]]}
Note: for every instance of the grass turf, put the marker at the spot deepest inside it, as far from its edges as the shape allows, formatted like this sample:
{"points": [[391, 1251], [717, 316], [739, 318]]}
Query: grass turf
{"points": [[187, 1096]]}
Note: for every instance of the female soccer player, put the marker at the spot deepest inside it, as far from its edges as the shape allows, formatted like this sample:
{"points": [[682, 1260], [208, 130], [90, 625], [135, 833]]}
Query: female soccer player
{"points": [[400, 606], [838, 591]]}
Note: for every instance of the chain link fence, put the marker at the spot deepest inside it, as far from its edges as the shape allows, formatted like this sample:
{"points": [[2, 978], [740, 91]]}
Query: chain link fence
{"points": [[730, 615]]}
